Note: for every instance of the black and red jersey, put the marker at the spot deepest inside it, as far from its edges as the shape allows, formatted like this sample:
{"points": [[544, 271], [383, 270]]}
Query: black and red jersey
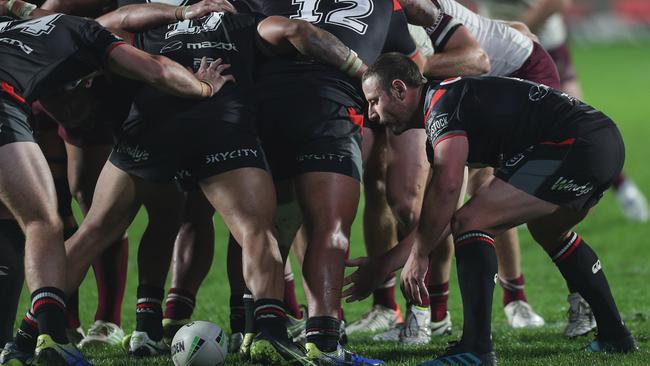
{"points": [[369, 27], [230, 37], [503, 116], [39, 57]]}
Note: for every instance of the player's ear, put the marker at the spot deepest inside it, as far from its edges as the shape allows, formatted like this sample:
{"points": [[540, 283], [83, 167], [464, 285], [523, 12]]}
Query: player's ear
{"points": [[399, 89]]}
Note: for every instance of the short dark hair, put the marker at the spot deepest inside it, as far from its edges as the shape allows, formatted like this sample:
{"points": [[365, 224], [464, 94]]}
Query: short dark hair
{"points": [[392, 66]]}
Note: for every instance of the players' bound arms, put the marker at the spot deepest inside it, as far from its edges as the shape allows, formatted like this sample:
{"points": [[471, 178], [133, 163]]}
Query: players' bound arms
{"points": [[167, 75], [279, 35], [420, 12], [462, 55], [537, 14], [22, 10], [142, 17], [438, 207]]}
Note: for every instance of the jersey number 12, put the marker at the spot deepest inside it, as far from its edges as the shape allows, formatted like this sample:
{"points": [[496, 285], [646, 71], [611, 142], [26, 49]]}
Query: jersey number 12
{"points": [[347, 16]]}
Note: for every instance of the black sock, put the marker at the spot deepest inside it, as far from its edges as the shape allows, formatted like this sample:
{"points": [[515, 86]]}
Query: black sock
{"points": [[476, 265], [12, 247], [249, 312], [271, 317], [323, 331], [48, 306], [237, 314], [27, 333], [581, 268], [148, 317]]}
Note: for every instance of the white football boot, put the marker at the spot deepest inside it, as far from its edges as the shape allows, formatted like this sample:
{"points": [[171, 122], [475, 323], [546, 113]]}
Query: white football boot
{"points": [[632, 201], [378, 319], [521, 315], [103, 333], [581, 320]]}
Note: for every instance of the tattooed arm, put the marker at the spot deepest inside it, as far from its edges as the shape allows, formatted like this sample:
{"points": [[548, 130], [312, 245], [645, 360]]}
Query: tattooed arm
{"points": [[279, 35]]}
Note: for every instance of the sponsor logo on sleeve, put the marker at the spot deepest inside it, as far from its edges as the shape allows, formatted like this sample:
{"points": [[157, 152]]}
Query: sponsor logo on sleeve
{"points": [[438, 123]]}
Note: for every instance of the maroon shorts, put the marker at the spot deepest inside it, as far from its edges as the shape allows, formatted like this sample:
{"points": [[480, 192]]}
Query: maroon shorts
{"points": [[539, 68], [99, 134], [564, 63]]}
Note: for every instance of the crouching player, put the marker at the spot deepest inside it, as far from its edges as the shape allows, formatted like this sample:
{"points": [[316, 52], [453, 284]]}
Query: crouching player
{"points": [[553, 155]]}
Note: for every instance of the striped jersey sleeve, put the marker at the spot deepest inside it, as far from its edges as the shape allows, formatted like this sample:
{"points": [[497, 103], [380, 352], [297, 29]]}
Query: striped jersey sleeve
{"points": [[440, 32]]}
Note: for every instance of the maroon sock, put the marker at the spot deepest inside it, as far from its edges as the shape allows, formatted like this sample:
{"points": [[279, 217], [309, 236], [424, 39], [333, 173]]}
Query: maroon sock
{"points": [[513, 290], [385, 295], [438, 296], [110, 273], [341, 314], [179, 304], [618, 181], [290, 299], [72, 311]]}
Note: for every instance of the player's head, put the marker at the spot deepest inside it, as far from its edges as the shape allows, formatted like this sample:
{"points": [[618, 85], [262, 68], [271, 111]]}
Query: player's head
{"points": [[74, 105], [392, 87]]}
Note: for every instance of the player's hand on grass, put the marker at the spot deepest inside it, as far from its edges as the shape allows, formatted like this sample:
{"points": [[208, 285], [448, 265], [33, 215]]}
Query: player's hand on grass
{"points": [[371, 273], [205, 7], [212, 74], [412, 279]]}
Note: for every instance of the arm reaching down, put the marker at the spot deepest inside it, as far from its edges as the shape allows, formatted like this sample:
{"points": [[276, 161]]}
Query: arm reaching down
{"points": [[167, 75], [279, 35]]}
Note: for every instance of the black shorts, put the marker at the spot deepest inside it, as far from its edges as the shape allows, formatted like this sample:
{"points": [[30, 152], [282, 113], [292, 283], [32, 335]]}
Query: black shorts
{"points": [[187, 151], [572, 173], [14, 121], [308, 133]]}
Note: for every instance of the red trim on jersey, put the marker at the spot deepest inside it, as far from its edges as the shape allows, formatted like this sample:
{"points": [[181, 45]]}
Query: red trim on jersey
{"points": [[355, 117], [415, 54], [570, 250], [112, 47], [448, 136], [9, 89], [434, 99], [396, 5], [560, 143]]}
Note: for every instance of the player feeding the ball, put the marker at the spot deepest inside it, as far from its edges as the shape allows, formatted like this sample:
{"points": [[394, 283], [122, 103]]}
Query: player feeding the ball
{"points": [[554, 157]]}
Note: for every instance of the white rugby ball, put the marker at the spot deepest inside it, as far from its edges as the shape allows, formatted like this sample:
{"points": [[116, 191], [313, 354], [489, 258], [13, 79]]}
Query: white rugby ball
{"points": [[199, 343]]}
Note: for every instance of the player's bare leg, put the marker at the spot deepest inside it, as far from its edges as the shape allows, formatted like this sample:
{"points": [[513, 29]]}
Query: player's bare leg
{"points": [[380, 232], [53, 149], [329, 203], [403, 158], [246, 201], [191, 261], [84, 166], [29, 193]]}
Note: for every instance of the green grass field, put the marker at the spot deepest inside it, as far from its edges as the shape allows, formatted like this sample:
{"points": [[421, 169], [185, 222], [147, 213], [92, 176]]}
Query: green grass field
{"points": [[615, 79]]}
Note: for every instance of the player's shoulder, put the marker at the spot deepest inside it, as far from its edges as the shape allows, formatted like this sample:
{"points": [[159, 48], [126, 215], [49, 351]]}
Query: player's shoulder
{"points": [[241, 20]]}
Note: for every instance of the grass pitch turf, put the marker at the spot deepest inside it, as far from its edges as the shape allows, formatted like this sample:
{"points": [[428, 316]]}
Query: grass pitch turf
{"points": [[615, 79]]}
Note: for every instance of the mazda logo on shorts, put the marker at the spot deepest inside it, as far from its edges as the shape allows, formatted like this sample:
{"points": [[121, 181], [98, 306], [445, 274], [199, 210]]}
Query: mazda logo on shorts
{"points": [[171, 47]]}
